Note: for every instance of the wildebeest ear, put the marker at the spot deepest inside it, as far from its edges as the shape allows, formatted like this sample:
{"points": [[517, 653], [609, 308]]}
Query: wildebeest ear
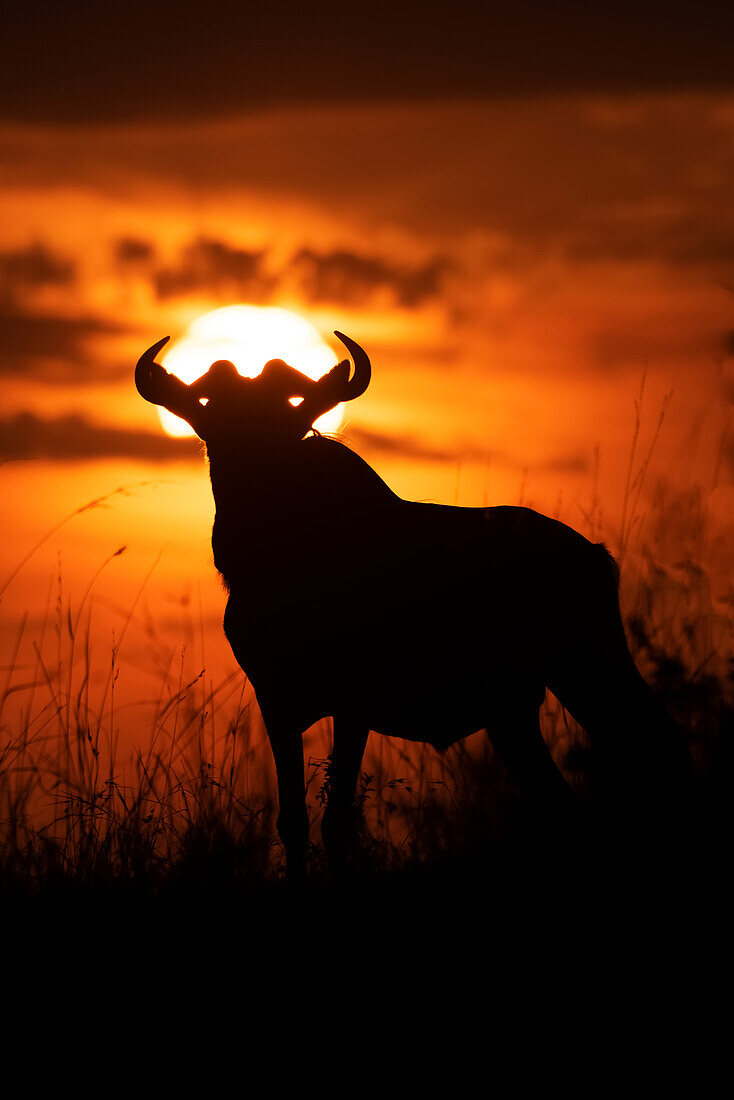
{"points": [[156, 385]]}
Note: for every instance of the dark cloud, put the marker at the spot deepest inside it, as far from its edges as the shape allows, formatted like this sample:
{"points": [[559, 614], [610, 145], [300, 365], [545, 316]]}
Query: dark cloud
{"points": [[567, 464], [701, 237], [403, 446], [409, 447], [221, 269], [133, 250], [348, 278], [215, 267], [49, 348], [67, 438], [87, 61], [623, 177], [727, 454], [30, 268], [615, 347]]}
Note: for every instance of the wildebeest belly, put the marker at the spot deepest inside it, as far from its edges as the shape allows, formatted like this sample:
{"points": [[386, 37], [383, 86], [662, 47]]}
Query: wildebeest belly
{"points": [[430, 673]]}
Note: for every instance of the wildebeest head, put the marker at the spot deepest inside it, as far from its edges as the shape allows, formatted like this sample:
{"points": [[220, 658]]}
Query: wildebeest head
{"points": [[223, 407]]}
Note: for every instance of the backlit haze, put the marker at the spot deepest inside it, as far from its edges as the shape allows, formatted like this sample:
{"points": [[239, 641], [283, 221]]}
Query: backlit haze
{"points": [[514, 261]]}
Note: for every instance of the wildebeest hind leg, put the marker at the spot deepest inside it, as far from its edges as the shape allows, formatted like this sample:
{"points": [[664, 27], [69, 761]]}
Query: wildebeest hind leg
{"points": [[517, 739], [639, 756]]}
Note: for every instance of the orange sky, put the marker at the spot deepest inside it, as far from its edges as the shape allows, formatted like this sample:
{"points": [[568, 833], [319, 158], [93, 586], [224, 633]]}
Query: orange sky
{"points": [[513, 267]]}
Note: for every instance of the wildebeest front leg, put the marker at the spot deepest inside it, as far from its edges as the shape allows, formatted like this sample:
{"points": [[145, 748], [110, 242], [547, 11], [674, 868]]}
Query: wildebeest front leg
{"points": [[339, 825], [287, 745]]}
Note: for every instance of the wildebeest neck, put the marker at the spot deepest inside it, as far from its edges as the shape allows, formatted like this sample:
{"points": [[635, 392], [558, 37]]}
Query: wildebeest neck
{"points": [[284, 504]]}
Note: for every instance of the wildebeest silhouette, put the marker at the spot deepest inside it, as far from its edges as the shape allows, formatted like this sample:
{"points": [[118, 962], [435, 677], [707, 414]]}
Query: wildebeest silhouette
{"points": [[416, 620]]}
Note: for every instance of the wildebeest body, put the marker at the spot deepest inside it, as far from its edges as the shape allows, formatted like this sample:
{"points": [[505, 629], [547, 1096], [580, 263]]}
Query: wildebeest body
{"points": [[408, 613]]}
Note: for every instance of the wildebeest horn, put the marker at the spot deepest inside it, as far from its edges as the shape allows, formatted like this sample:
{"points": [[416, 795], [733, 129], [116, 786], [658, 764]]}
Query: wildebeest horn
{"points": [[156, 385], [360, 380], [151, 383]]}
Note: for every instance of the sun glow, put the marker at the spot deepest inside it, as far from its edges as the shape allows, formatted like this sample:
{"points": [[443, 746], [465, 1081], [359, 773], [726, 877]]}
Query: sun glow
{"points": [[249, 336]]}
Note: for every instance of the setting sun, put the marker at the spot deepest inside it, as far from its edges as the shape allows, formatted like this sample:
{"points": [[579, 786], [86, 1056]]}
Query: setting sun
{"points": [[249, 336]]}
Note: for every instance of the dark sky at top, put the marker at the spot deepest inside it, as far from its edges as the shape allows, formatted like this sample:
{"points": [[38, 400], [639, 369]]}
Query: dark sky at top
{"points": [[97, 62]]}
